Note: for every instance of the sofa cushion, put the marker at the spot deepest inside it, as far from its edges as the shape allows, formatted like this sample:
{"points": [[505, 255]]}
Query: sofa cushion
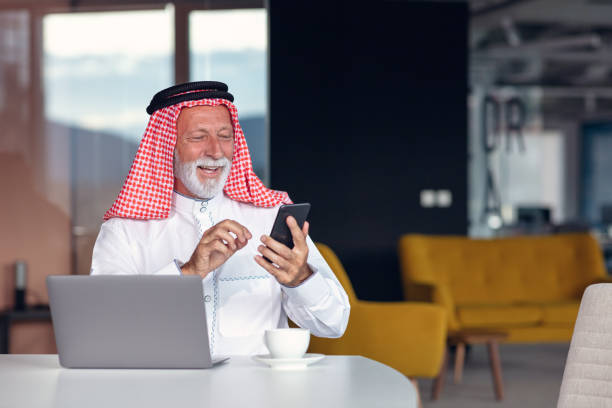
{"points": [[560, 313], [499, 316]]}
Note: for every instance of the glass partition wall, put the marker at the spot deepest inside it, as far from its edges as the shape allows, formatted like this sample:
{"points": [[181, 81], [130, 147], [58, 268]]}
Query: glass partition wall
{"points": [[539, 109]]}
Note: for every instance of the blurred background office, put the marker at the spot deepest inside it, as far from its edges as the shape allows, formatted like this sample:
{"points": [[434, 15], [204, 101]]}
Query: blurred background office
{"points": [[479, 118]]}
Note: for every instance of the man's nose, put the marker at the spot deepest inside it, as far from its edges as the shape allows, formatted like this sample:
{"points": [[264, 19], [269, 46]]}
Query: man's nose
{"points": [[214, 148]]}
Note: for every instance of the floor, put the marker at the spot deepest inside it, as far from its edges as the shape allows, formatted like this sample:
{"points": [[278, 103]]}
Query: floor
{"points": [[532, 376]]}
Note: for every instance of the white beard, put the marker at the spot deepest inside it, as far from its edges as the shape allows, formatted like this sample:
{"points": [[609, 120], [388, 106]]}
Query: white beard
{"points": [[187, 174]]}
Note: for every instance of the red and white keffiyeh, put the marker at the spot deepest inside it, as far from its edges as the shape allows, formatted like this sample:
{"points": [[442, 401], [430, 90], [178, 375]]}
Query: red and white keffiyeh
{"points": [[147, 191]]}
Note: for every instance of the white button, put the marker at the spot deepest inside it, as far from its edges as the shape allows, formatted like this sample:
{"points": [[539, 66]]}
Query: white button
{"points": [[207, 298]]}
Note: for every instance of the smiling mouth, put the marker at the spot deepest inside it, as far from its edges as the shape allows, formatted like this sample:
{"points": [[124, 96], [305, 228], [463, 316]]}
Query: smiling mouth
{"points": [[210, 170]]}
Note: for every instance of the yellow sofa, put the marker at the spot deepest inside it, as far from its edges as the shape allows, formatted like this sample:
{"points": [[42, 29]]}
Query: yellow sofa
{"points": [[407, 336], [529, 287]]}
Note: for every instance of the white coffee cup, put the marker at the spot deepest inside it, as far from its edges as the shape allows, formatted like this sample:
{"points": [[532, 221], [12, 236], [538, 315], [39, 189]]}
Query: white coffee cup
{"points": [[287, 343]]}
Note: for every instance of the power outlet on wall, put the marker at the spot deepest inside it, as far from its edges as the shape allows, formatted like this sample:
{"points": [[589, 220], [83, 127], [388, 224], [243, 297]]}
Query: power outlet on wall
{"points": [[444, 198], [436, 198], [428, 198]]}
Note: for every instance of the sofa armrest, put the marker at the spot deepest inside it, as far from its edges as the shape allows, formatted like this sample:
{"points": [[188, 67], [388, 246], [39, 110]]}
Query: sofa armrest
{"points": [[408, 336], [433, 293], [419, 292]]}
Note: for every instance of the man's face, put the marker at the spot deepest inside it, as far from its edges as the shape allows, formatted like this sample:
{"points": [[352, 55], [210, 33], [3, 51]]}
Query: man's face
{"points": [[204, 149]]}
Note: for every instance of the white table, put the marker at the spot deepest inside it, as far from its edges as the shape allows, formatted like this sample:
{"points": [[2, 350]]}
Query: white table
{"points": [[336, 381]]}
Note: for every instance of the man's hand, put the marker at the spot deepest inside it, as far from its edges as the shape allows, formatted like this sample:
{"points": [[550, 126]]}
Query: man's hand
{"points": [[292, 268], [216, 246]]}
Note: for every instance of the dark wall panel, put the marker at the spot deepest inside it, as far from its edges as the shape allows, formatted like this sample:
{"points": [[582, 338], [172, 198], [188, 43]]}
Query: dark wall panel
{"points": [[368, 108]]}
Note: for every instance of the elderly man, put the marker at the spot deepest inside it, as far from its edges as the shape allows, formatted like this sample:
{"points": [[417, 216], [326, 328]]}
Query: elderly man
{"points": [[192, 205]]}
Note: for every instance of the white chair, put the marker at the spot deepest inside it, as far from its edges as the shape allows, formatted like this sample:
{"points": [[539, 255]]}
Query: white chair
{"points": [[587, 380]]}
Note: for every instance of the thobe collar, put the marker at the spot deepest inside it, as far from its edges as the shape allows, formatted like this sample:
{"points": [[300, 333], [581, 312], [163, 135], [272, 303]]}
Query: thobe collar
{"points": [[188, 205]]}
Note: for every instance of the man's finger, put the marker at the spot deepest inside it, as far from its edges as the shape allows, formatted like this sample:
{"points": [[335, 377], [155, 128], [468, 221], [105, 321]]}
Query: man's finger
{"points": [[241, 244], [273, 256], [272, 270], [215, 234], [240, 230], [277, 247], [227, 237], [306, 228], [296, 232], [221, 247]]}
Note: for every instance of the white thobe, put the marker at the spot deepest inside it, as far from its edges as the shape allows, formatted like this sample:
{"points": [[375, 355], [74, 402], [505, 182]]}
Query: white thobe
{"points": [[242, 299]]}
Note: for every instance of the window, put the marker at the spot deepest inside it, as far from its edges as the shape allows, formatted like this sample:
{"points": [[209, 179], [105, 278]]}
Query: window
{"points": [[97, 83], [230, 46]]}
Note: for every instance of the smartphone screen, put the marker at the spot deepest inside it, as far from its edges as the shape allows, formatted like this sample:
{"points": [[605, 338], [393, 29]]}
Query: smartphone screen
{"points": [[280, 230]]}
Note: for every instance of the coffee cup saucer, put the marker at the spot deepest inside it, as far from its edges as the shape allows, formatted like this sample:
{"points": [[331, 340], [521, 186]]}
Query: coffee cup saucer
{"points": [[289, 363]]}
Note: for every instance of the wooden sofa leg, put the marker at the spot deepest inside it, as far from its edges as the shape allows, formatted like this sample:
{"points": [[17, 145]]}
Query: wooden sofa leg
{"points": [[496, 371], [436, 390], [418, 394], [459, 361]]}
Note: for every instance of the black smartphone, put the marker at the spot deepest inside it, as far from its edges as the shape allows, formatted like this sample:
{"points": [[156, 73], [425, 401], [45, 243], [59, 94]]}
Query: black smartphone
{"points": [[280, 230]]}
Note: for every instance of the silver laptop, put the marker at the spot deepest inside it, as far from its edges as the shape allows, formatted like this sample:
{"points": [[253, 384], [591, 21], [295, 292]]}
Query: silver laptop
{"points": [[129, 321]]}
